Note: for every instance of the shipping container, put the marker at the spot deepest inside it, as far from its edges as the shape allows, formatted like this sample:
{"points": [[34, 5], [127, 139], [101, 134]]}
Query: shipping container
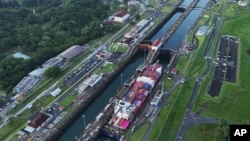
{"points": [[146, 93], [135, 101], [125, 124], [139, 97], [138, 104], [127, 98], [121, 122], [136, 110], [131, 94], [117, 121], [147, 86], [131, 99], [137, 94]]}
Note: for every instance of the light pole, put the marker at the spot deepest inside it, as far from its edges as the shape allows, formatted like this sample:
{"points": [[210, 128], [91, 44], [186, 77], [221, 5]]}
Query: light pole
{"points": [[144, 54], [117, 135], [83, 116]]}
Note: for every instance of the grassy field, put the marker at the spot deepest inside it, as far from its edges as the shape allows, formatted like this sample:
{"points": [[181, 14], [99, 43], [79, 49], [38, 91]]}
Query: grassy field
{"points": [[138, 133], [175, 115], [10, 128], [106, 68], [66, 101], [206, 132], [119, 48], [158, 123], [233, 102], [182, 60]]}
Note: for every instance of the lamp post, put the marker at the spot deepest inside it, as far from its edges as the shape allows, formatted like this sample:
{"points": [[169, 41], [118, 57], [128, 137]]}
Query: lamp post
{"points": [[117, 135], [83, 116], [144, 54]]}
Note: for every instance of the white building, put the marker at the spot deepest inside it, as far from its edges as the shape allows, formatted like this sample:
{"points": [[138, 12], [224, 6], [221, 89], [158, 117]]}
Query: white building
{"points": [[121, 17], [202, 30], [92, 80], [38, 73], [52, 62], [242, 3], [25, 84], [56, 92]]}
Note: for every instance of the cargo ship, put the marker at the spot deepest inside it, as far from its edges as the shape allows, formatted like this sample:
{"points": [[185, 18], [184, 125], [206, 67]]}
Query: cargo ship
{"points": [[126, 108]]}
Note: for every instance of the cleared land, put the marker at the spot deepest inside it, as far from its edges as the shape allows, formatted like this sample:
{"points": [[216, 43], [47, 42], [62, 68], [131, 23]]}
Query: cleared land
{"points": [[206, 132], [234, 100]]}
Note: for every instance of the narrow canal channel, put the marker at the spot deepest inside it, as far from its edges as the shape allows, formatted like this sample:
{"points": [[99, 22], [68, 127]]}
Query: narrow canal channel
{"points": [[93, 110]]}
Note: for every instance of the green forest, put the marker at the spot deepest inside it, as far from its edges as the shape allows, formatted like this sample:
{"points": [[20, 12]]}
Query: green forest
{"points": [[44, 28]]}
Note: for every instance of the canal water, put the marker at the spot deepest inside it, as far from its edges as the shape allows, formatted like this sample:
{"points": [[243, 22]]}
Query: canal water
{"points": [[166, 26], [101, 101], [176, 39]]}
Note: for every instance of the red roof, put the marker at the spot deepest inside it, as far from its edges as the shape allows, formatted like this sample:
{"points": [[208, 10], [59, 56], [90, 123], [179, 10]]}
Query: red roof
{"points": [[174, 70], [38, 120], [120, 14], [156, 42]]}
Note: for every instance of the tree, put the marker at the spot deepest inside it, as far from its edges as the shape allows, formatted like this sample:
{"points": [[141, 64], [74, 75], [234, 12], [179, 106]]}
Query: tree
{"points": [[222, 132], [248, 51], [53, 72]]}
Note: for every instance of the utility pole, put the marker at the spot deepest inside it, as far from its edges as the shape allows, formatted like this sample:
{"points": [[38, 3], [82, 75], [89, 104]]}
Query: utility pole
{"points": [[83, 116]]}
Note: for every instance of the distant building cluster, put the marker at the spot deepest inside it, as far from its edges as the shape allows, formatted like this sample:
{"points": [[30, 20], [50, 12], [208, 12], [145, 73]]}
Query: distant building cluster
{"points": [[135, 32], [40, 122], [33, 78], [25, 84]]}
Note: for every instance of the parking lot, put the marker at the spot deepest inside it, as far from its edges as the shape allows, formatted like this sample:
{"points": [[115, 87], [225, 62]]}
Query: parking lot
{"points": [[114, 56], [226, 64], [54, 114], [232, 60], [81, 71]]}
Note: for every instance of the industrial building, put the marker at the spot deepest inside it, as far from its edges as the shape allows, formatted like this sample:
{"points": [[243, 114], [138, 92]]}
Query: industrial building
{"points": [[52, 62], [72, 52], [35, 122], [92, 80], [37, 73], [25, 84], [121, 17]]}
